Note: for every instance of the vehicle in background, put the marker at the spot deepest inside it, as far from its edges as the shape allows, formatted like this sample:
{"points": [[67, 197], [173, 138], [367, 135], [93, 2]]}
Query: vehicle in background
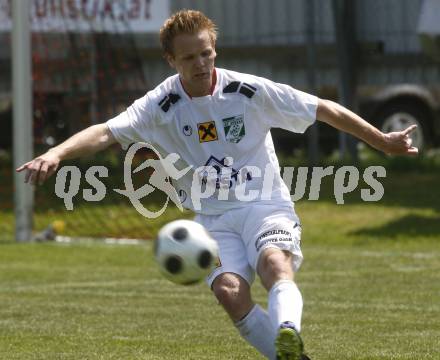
{"points": [[396, 107], [390, 108]]}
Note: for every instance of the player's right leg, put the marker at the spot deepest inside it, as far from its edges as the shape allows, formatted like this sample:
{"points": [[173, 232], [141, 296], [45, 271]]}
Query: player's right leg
{"points": [[233, 293], [231, 282]]}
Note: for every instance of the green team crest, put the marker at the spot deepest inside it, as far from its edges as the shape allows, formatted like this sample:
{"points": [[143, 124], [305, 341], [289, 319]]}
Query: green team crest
{"points": [[234, 128]]}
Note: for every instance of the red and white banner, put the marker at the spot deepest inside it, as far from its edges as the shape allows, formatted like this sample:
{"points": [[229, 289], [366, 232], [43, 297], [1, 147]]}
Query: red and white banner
{"points": [[138, 16]]}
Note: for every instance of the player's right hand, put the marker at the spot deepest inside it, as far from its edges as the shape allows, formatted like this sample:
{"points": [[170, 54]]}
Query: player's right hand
{"points": [[41, 168]]}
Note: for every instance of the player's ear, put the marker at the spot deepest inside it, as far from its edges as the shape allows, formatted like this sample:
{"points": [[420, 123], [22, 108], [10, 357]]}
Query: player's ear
{"points": [[213, 43], [170, 59]]}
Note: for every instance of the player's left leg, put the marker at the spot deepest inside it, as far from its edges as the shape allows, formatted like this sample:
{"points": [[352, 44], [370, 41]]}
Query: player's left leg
{"points": [[276, 274], [273, 245], [284, 301]]}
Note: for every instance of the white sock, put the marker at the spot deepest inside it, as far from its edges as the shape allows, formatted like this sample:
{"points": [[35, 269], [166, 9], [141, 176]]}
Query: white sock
{"points": [[285, 304], [257, 330]]}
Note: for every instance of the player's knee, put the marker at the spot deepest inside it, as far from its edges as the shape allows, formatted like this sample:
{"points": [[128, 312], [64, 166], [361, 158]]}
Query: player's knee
{"points": [[274, 265], [230, 289], [233, 293]]}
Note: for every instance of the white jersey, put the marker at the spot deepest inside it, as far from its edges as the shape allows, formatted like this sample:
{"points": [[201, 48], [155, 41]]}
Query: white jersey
{"points": [[228, 130]]}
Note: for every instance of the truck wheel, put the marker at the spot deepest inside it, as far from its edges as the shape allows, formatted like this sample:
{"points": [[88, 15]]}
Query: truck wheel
{"points": [[397, 117]]}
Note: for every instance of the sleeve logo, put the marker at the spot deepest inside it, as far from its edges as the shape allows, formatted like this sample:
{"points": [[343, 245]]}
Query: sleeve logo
{"points": [[168, 100], [242, 88]]}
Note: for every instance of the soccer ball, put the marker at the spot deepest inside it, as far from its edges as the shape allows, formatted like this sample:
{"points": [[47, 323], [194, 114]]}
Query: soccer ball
{"points": [[185, 252]]}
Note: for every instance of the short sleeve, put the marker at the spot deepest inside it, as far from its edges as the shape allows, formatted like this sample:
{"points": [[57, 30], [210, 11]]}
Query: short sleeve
{"points": [[288, 108], [135, 124]]}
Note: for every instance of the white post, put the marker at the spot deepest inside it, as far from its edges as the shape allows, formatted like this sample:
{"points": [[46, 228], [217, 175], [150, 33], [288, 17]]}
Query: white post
{"points": [[93, 84], [22, 115]]}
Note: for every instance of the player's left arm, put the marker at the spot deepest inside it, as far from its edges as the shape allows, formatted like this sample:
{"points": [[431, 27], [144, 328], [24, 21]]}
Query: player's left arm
{"points": [[339, 117]]}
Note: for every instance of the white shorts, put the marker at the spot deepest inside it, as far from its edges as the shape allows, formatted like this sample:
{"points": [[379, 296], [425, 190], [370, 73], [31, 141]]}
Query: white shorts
{"points": [[242, 234]]}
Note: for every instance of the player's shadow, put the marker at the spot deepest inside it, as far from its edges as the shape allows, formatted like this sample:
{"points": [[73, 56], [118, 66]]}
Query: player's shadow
{"points": [[411, 226]]}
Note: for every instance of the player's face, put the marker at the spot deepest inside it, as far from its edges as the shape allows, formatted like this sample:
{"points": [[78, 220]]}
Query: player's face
{"points": [[193, 59]]}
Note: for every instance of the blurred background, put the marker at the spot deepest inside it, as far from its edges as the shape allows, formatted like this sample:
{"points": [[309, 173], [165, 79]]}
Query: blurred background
{"points": [[92, 59]]}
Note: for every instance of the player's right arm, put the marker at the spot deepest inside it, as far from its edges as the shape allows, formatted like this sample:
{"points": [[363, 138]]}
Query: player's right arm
{"points": [[87, 142]]}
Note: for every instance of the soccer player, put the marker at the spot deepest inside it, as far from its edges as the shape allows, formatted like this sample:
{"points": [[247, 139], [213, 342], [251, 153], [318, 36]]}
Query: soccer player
{"points": [[220, 118]]}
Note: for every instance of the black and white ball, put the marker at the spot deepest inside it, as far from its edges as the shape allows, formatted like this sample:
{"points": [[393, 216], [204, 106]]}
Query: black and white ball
{"points": [[185, 252]]}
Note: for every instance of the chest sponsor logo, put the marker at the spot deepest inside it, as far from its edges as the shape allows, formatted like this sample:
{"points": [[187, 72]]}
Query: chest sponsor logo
{"points": [[207, 131], [225, 175], [234, 128]]}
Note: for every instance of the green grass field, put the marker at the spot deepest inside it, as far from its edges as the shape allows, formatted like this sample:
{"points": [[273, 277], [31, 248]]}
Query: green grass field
{"points": [[370, 282]]}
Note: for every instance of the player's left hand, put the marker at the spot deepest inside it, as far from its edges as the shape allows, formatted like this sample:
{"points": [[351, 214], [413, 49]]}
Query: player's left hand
{"points": [[400, 142]]}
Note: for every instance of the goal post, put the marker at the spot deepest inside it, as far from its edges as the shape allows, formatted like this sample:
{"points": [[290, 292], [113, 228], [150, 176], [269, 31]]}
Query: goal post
{"points": [[67, 74], [22, 116]]}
